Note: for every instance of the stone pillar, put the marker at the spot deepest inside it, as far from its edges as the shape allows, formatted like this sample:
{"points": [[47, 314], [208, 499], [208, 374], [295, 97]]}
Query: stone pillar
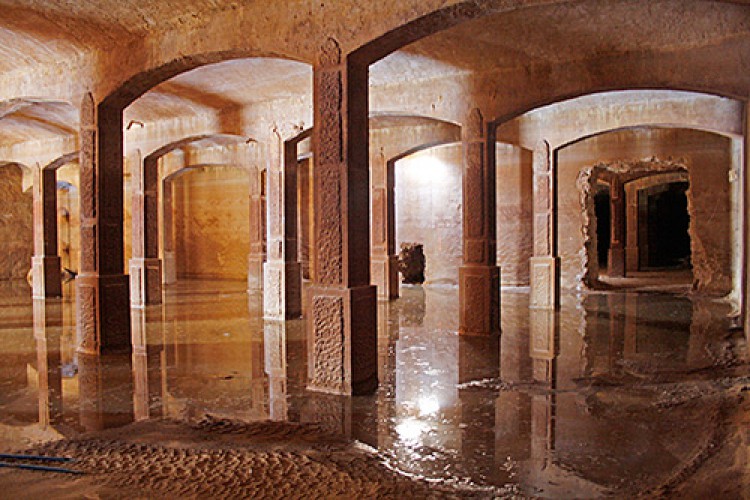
{"points": [[616, 255], [145, 266], [479, 276], [282, 273], [256, 257], [632, 254], [544, 266], [343, 305], [745, 211], [102, 291], [304, 191], [169, 276], [384, 261], [45, 264], [48, 318]]}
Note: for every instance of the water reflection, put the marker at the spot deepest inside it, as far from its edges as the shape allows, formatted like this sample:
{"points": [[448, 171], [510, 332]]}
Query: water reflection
{"points": [[563, 404]]}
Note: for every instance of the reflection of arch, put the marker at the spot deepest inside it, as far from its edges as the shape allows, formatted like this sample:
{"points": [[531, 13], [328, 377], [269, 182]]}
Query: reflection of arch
{"points": [[46, 262], [147, 272]]}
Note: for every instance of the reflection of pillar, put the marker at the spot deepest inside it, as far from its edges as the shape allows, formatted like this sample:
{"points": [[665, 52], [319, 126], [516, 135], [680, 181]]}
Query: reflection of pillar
{"points": [[47, 329], [304, 180], [630, 328], [544, 333], [479, 276], [543, 412], [544, 272], [745, 214], [616, 257], [145, 266], [257, 231], [512, 427], [343, 323], [631, 231], [170, 260], [105, 384], [282, 273], [384, 265], [274, 346], [46, 262], [148, 357], [102, 291]]}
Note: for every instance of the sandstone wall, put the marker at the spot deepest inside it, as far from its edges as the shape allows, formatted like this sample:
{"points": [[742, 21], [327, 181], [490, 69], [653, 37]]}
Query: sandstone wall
{"points": [[16, 223], [428, 209], [708, 158], [514, 214], [211, 217]]}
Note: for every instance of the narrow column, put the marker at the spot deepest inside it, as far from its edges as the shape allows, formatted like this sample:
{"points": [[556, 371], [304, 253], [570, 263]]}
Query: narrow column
{"points": [[47, 281], [479, 276], [544, 333], [343, 305], [145, 266], [102, 291], [616, 255], [384, 265], [745, 211], [257, 231], [275, 356], [632, 254], [544, 272], [282, 273], [304, 180], [167, 234]]}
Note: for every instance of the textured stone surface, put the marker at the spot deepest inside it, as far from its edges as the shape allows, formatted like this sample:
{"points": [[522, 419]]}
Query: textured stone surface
{"points": [[16, 224]]}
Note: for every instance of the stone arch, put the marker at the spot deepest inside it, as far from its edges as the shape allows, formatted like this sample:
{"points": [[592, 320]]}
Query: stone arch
{"points": [[46, 263], [147, 271], [630, 171]]}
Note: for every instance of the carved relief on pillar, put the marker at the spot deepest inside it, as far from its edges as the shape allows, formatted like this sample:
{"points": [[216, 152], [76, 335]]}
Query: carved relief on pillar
{"points": [[327, 371]]}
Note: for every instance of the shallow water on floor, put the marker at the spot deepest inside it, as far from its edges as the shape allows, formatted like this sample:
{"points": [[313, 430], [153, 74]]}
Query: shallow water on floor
{"points": [[615, 394]]}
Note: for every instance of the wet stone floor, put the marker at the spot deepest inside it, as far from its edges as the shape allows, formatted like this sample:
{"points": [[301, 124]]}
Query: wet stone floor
{"points": [[617, 394]]}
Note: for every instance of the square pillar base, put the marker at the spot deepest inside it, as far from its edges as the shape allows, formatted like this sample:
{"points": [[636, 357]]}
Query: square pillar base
{"points": [[384, 271], [282, 290], [479, 300], [46, 276], [145, 282], [342, 340], [544, 275], [102, 313], [632, 258]]}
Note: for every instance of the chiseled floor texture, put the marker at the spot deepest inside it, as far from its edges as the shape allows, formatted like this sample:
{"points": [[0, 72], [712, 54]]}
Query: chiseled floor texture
{"points": [[619, 394]]}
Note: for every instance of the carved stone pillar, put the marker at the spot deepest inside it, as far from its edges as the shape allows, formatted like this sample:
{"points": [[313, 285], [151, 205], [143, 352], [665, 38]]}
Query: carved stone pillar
{"points": [[102, 291], [745, 211], [616, 257], [632, 253], [169, 276], [304, 180], [343, 305], [384, 261], [479, 276], [256, 257], [145, 266], [544, 267], [282, 273], [45, 263]]}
